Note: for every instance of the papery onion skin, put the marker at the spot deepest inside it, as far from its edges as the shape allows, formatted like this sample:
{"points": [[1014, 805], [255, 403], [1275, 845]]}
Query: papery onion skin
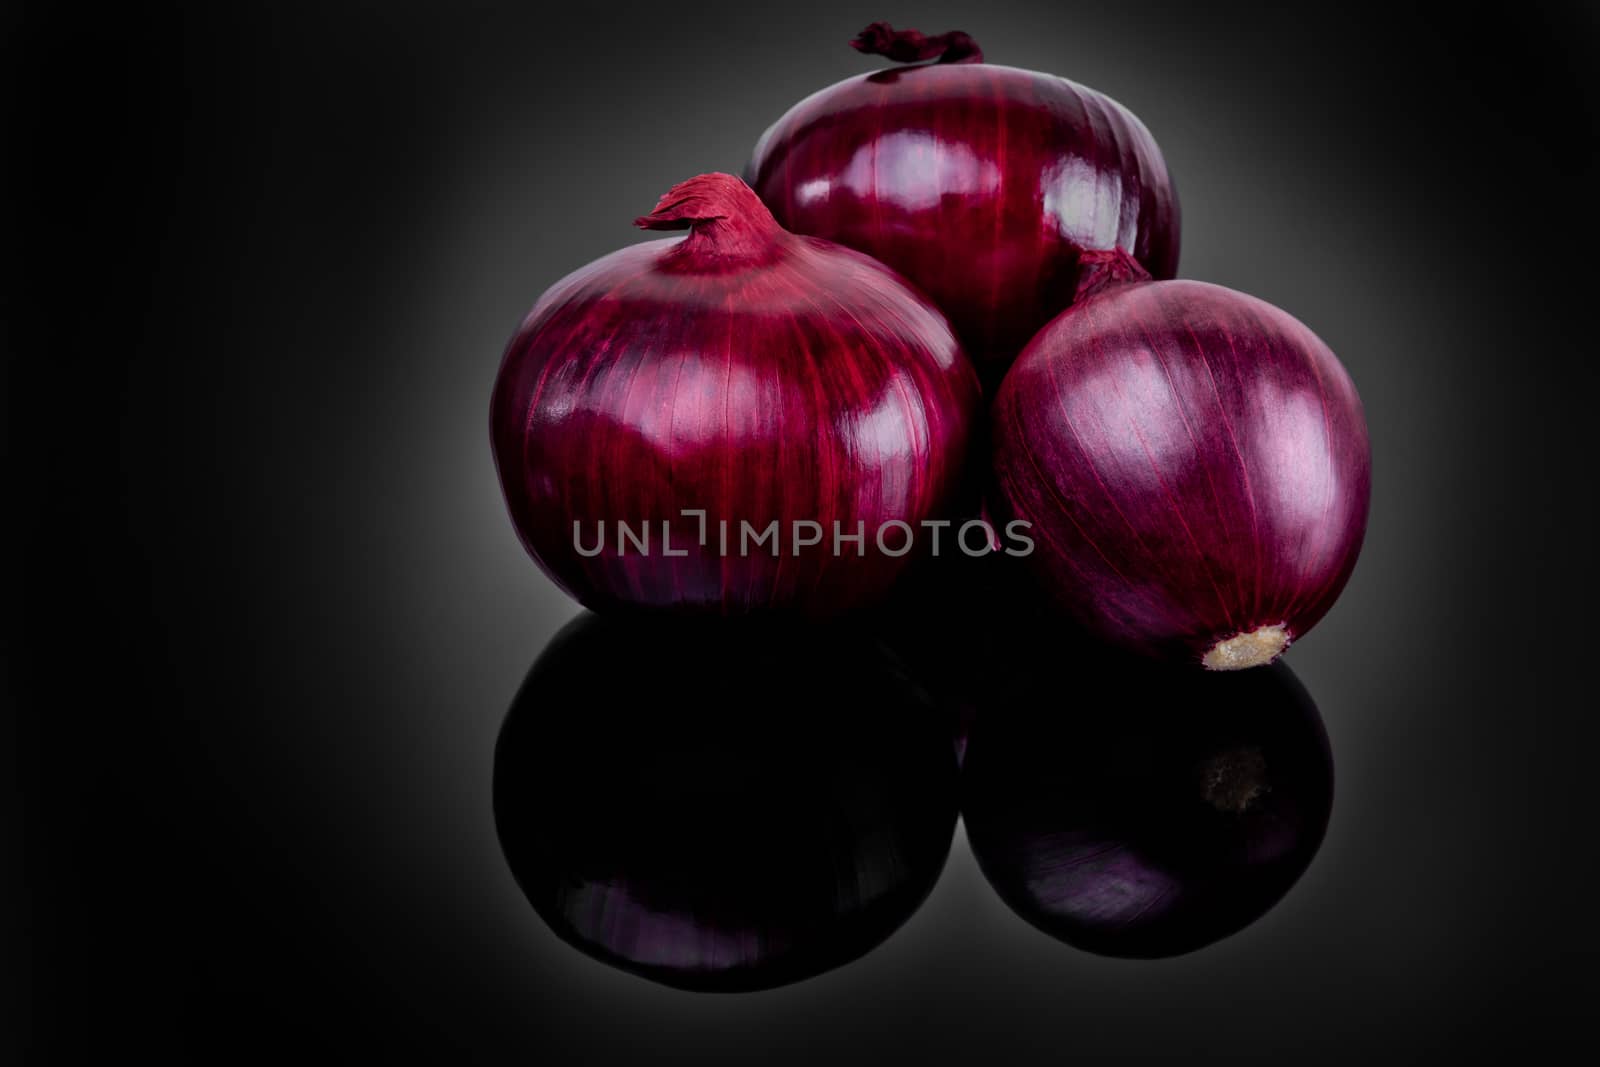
{"points": [[981, 183], [720, 806], [1195, 465], [1153, 813], [743, 371]]}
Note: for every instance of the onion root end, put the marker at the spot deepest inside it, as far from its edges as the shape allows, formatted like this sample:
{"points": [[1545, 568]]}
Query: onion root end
{"points": [[1260, 646]]}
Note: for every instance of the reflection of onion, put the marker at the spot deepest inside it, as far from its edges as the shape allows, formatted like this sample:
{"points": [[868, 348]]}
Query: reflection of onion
{"points": [[722, 810], [1160, 811]]}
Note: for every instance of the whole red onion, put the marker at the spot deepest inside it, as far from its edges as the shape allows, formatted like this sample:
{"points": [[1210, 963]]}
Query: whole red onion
{"points": [[745, 374], [1195, 465], [981, 183]]}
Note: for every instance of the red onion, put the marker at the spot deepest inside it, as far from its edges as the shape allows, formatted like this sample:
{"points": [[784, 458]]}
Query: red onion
{"points": [[723, 806], [981, 183], [1165, 809], [1194, 463], [734, 421]]}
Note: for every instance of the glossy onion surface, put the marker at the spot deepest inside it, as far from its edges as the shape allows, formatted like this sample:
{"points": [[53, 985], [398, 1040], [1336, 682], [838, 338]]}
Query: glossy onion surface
{"points": [[1139, 810], [981, 183], [1195, 465], [722, 810], [743, 372]]}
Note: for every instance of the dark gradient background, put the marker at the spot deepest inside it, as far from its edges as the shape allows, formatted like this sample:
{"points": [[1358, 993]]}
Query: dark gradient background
{"points": [[269, 611]]}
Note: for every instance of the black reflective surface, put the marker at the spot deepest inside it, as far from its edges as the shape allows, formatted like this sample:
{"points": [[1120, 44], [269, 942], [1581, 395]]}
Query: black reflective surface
{"points": [[733, 807]]}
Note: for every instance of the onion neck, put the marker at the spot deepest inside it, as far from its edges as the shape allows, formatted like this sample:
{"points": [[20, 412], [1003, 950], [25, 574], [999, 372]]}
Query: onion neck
{"points": [[726, 221], [1109, 269], [909, 46]]}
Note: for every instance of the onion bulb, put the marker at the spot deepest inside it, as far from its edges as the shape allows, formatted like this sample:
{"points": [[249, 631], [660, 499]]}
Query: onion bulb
{"points": [[1195, 466], [981, 183], [726, 422]]}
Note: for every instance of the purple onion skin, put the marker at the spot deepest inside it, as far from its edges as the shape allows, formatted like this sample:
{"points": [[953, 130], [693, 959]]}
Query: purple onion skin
{"points": [[1158, 811], [1195, 465], [743, 371], [980, 183], [723, 806]]}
